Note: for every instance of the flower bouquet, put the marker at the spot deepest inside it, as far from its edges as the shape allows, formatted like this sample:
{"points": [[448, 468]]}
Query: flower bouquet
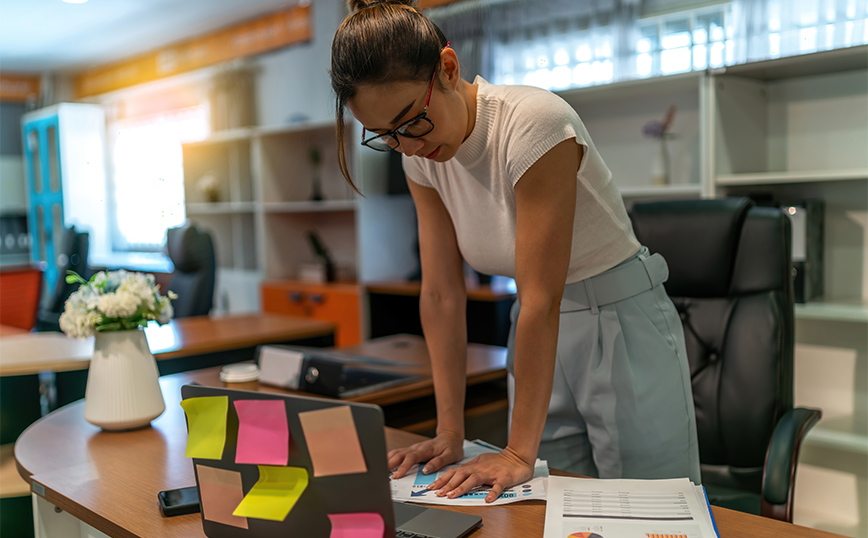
{"points": [[114, 301], [123, 388]]}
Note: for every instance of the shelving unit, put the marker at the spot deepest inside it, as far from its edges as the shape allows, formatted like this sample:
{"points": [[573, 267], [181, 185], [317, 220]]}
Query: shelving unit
{"points": [[615, 115], [780, 131]]}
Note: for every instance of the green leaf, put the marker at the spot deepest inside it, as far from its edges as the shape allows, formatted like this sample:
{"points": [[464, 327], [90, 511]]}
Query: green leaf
{"points": [[72, 277]]}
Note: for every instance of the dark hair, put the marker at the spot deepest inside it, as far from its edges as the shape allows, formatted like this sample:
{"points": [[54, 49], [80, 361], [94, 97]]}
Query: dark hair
{"points": [[380, 41]]}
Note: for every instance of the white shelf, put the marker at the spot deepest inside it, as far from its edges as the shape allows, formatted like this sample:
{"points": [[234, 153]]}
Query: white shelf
{"points": [[767, 178], [324, 206], [229, 135], [662, 191], [635, 89], [219, 208], [832, 311], [849, 441], [294, 128]]}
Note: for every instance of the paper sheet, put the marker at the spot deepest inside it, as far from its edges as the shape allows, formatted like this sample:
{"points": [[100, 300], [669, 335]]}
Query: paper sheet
{"points": [[357, 525], [274, 494], [263, 432], [332, 441], [206, 424], [598, 508], [412, 487], [220, 492]]}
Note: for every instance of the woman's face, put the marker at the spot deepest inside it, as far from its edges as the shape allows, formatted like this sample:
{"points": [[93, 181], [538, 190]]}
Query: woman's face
{"points": [[383, 107]]}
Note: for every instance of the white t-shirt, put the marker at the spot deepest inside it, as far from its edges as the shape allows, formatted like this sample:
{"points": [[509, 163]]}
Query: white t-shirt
{"points": [[515, 126]]}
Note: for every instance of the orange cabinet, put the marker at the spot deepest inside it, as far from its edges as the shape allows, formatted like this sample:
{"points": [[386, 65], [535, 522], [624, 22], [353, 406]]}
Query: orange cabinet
{"points": [[339, 303]]}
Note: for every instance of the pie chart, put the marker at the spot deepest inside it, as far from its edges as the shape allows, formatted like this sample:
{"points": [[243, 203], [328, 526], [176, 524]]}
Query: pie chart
{"points": [[585, 535]]}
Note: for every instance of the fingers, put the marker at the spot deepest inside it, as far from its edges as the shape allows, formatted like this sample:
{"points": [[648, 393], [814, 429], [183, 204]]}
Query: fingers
{"points": [[496, 490], [404, 464]]}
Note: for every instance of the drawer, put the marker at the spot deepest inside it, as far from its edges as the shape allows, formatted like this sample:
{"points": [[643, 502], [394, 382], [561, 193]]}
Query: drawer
{"points": [[338, 303]]}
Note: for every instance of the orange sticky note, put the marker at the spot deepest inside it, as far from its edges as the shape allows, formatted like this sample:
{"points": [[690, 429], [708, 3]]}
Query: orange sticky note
{"points": [[220, 492], [332, 441]]}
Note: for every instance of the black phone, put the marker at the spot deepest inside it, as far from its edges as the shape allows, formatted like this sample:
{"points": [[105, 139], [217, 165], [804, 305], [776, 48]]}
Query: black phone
{"points": [[176, 502]]}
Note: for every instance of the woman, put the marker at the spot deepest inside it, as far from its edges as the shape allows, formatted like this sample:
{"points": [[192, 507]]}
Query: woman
{"points": [[508, 179]]}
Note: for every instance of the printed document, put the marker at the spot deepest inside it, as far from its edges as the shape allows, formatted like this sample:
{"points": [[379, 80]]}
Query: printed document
{"points": [[598, 508], [413, 487]]}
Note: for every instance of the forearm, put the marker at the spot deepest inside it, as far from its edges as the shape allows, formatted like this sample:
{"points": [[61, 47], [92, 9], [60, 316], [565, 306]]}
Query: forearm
{"points": [[445, 327], [536, 340]]}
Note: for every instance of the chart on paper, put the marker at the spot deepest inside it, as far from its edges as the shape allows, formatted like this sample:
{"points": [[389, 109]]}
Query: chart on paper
{"points": [[664, 506], [593, 508]]}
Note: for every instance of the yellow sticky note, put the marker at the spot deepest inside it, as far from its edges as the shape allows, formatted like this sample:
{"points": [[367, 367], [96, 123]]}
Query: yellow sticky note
{"points": [[274, 494], [206, 426]]}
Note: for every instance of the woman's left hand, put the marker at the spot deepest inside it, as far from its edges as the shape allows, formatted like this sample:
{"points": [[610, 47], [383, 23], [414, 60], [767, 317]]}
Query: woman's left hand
{"points": [[500, 471]]}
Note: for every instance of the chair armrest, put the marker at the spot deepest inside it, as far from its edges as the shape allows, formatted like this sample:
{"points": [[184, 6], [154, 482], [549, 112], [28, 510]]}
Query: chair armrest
{"points": [[779, 476]]}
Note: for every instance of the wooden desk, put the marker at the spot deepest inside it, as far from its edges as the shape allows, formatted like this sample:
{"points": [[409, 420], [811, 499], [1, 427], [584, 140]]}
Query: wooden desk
{"points": [[31, 353], [110, 481], [410, 406]]}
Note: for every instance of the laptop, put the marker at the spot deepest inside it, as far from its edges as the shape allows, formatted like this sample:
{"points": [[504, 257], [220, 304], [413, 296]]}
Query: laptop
{"points": [[317, 464]]}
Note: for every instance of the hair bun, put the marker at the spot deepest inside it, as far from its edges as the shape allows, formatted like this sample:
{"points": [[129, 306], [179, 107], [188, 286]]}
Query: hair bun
{"points": [[358, 5]]}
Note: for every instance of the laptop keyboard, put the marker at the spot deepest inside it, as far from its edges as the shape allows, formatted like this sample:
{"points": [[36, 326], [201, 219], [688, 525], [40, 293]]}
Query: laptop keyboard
{"points": [[407, 534]]}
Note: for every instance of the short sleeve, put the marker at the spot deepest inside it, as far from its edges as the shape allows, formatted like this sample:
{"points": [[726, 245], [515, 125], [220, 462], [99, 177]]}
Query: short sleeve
{"points": [[538, 123]]}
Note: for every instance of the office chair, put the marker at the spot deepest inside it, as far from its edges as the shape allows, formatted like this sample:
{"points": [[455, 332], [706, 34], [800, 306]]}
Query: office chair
{"points": [[20, 291], [192, 252], [730, 278], [72, 256]]}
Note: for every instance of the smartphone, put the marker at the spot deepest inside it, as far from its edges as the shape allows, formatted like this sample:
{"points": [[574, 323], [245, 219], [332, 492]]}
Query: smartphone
{"points": [[176, 502]]}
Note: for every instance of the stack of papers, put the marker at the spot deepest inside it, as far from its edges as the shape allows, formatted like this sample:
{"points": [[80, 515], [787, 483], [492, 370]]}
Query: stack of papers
{"points": [[593, 508], [413, 487]]}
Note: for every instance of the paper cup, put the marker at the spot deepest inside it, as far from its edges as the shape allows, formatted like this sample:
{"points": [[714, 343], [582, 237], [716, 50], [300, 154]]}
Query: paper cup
{"points": [[244, 376]]}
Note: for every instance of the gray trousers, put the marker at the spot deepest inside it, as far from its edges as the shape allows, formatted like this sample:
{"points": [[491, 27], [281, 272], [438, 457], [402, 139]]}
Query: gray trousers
{"points": [[621, 405]]}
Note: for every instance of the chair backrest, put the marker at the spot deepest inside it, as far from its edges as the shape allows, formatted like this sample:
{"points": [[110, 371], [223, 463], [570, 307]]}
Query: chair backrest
{"points": [[730, 268], [20, 291], [72, 256], [192, 252]]}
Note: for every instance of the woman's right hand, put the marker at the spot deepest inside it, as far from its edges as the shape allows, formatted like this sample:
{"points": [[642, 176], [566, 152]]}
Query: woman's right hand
{"points": [[445, 448]]}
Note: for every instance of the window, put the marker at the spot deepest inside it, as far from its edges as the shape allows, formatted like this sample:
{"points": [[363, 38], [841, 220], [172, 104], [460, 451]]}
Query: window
{"points": [[147, 191]]}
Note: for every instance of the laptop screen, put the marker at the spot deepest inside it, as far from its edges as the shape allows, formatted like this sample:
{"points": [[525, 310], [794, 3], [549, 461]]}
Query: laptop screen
{"points": [[271, 465]]}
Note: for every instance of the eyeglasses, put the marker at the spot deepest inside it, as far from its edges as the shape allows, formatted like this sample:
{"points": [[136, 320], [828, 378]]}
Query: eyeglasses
{"points": [[412, 128]]}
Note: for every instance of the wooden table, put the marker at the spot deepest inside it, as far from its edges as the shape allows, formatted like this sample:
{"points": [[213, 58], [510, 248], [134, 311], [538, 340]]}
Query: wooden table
{"points": [[110, 481], [31, 353]]}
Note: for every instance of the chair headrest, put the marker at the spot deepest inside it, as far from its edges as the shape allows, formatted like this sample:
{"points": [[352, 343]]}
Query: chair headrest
{"points": [[189, 248], [699, 239]]}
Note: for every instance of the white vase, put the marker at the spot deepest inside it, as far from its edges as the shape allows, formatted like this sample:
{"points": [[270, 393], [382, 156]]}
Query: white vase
{"points": [[123, 388]]}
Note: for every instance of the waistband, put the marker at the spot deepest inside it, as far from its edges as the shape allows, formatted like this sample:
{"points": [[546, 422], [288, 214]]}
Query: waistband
{"points": [[632, 277]]}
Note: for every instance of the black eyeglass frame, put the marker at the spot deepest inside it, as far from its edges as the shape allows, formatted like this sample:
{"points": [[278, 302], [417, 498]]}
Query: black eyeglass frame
{"points": [[394, 133]]}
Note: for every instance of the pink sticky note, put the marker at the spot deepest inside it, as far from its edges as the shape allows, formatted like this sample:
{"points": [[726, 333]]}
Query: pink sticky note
{"points": [[357, 525], [263, 433], [220, 493]]}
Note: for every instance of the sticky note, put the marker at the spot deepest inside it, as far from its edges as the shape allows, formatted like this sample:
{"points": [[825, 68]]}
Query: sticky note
{"points": [[220, 492], [263, 433], [332, 441], [274, 494], [206, 426], [357, 525]]}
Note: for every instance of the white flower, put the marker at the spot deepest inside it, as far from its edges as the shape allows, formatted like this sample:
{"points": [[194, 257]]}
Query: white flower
{"points": [[119, 304], [165, 313], [114, 301]]}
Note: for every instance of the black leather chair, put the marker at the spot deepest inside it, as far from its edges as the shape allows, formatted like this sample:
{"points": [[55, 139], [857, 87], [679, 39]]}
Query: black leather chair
{"points": [[192, 252], [730, 278], [73, 248]]}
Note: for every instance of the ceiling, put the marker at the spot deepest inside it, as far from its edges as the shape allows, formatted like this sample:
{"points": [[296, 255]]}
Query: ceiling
{"points": [[38, 36]]}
